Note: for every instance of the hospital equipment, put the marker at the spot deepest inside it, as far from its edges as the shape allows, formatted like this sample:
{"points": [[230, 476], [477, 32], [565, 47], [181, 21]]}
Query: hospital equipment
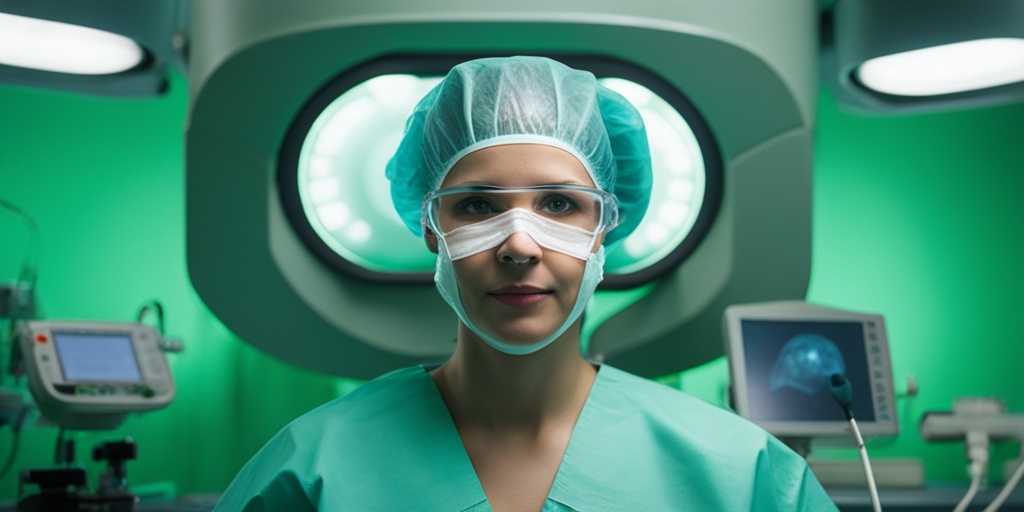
{"points": [[782, 357], [780, 380], [842, 391], [77, 46], [65, 489], [87, 375], [91, 375], [917, 56], [978, 421], [258, 267]]}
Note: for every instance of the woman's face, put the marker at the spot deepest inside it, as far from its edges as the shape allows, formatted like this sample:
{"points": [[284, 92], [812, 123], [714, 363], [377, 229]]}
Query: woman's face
{"points": [[518, 291]]}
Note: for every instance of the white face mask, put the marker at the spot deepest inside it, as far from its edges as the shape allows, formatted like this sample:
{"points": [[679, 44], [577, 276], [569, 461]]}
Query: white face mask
{"points": [[475, 238]]}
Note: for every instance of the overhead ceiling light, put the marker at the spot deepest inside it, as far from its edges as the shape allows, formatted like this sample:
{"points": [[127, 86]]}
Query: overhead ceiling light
{"points": [[54, 46], [920, 55], [946, 69]]}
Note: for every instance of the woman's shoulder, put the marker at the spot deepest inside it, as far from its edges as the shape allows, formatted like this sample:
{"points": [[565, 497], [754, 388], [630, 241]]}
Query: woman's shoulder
{"points": [[379, 398], [363, 426], [648, 392], [672, 410], [671, 447], [358, 443]]}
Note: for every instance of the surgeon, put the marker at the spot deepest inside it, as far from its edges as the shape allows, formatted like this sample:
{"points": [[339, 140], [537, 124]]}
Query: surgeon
{"points": [[519, 173]]}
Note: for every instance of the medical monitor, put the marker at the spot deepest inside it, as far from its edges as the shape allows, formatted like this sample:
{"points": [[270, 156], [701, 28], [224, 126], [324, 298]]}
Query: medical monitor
{"points": [[781, 356], [91, 375]]}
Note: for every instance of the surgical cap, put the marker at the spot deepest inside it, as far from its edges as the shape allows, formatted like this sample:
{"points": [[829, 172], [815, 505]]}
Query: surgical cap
{"points": [[519, 100]]}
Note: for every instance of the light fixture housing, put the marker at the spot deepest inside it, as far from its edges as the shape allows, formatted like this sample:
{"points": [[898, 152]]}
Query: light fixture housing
{"points": [[157, 27], [338, 201], [872, 35]]}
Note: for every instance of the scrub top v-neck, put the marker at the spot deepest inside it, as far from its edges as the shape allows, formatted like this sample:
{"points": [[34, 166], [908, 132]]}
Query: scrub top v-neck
{"points": [[392, 445]]}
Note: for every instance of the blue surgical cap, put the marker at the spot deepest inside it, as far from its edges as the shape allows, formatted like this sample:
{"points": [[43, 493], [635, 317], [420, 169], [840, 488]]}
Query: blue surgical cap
{"points": [[518, 100]]}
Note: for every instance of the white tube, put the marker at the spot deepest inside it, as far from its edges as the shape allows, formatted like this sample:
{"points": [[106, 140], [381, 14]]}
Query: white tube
{"points": [[1011, 483], [870, 475]]}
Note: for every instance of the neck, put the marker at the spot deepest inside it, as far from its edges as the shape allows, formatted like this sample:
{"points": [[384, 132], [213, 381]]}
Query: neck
{"points": [[485, 388]]}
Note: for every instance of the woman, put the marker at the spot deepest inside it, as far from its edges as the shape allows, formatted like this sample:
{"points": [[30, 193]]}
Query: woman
{"points": [[519, 172]]}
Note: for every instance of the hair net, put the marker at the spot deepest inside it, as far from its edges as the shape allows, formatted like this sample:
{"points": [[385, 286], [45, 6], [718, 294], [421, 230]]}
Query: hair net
{"points": [[494, 101]]}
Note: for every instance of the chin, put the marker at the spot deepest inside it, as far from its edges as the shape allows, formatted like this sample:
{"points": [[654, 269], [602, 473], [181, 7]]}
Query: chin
{"points": [[521, 335]]}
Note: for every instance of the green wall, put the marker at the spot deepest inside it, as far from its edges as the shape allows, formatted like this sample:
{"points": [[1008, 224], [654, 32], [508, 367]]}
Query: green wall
{"points": [[921, 218], [103, 179], [916, 217]]}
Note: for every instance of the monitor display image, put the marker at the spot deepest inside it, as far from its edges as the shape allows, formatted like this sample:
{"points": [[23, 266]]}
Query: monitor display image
{"points": [[93, 357], [782, 355]]}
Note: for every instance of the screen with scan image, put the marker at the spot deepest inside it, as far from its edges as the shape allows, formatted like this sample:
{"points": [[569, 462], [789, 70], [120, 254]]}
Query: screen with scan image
{"points": [[90, 357], [782, 356], [789, 364]]}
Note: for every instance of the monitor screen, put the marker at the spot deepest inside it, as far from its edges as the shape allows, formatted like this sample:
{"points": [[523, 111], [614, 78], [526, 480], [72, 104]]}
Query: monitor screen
{"points": [[96, 357], [782, 355]]}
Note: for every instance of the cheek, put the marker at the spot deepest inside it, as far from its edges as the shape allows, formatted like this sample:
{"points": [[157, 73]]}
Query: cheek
{"points": [[568, 269], [471, 269]]}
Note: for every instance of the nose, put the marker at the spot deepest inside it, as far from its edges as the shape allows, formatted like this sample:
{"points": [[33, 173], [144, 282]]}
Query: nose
{"points": [[519, 249]]}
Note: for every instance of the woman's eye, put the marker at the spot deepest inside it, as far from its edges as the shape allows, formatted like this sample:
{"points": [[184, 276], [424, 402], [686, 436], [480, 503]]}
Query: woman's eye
{"points": [[475, 206], [558, 205]]}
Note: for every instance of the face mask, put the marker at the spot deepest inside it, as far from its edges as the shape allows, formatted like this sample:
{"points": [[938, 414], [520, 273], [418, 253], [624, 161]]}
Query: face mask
{"points": [[444, 276], [478, 237]]}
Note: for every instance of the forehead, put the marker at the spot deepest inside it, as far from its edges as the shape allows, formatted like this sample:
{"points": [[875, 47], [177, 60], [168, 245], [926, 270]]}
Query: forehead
{"points": [[518, 165]]}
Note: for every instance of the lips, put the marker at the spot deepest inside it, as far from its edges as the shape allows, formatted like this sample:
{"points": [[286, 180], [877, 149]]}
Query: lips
{"points": [[520, 295]]}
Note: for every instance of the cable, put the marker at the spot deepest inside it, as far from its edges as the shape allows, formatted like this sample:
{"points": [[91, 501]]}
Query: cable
{"points": [[15, 442], [153, 305], [977, 444], [1011, 483], [22, 300], [868, 473], [972, 491], [842, 391], [64, 454]]}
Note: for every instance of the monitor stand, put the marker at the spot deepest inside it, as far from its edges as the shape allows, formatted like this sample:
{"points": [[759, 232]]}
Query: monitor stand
{"points": [[889, 472]]}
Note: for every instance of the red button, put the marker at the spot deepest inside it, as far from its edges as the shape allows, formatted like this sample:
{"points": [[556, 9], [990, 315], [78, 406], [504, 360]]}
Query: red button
{"points": [[41, 338]]}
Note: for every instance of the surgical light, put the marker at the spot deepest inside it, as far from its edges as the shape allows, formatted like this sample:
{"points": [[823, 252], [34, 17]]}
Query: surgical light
{"points": [[260, 267], [345, 199], [946, 69], [64, 48], [679, 182], [342, 187]]}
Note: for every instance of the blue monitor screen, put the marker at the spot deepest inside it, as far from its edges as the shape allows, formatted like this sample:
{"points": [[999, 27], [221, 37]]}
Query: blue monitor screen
{"points": [[89, 357], [789, 363]]}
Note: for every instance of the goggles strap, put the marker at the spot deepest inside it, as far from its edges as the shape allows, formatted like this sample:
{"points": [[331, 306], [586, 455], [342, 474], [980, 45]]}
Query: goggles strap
{"points": [[478, 237]]}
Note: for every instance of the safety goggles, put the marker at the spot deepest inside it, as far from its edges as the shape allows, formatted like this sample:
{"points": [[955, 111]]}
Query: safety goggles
{"points": [[566, 218], [587, 208]]}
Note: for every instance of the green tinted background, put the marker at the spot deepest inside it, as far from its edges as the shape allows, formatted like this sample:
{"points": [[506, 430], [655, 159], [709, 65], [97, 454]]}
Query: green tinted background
{"points": [[917, 217]]}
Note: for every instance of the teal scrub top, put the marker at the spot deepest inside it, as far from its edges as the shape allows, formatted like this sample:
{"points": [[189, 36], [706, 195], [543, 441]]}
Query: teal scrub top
{"points": [[638, 445]]}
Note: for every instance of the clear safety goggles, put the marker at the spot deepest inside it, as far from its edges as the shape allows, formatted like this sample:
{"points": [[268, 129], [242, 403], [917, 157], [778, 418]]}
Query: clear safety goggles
{"points": [[587, 208], [563, 217]]}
